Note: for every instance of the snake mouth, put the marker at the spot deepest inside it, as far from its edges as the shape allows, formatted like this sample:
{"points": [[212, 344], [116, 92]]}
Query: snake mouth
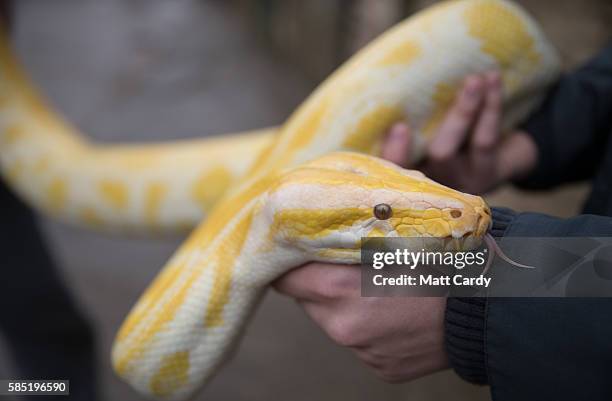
{"points": [[468, 241]]}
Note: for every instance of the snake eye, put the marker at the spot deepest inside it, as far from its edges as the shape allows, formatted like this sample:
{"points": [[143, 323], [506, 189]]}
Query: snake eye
{"points": [[382, 211]]}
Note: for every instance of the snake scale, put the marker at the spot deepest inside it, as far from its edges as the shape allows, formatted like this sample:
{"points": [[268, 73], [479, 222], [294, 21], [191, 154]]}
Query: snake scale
{"points": [[276, 198]]}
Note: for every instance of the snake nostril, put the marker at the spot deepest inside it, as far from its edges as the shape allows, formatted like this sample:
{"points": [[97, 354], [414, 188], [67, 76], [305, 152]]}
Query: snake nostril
{"points": [[455, 214]]}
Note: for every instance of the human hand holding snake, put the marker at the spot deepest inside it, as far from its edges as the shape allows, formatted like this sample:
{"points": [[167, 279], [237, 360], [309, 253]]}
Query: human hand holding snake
{"points": [[402, 338], [468, 151], [399, 338]]}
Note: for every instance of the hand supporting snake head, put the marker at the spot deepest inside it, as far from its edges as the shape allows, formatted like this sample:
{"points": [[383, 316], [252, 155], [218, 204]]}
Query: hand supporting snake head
{"points": [[325, 207], [188, 321]]}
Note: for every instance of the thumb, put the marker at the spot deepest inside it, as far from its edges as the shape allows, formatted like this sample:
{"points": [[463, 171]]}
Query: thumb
{"points": [[396, 144]]}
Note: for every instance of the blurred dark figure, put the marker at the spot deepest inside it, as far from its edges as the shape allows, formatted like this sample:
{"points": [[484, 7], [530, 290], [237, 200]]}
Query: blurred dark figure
{"points": [[48, 337]]}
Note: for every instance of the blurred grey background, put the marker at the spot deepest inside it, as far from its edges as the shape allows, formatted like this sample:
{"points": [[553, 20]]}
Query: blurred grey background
{"points": [[141, 70]]}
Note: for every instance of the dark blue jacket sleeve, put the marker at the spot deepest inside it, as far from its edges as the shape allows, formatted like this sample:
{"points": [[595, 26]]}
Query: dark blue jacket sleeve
{"points": [[573, 124], [537, 348]]}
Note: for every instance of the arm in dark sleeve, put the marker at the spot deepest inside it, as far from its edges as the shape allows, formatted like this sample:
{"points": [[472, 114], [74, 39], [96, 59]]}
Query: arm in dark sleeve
{"points": [[573, 124], [535, 348]]}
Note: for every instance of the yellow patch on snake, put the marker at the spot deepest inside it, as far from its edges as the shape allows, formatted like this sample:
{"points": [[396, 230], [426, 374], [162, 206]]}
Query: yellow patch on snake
{"points": [[376, 233], [263, 157], [502, 32], [171, 375], [206, 232], [209, 186], [411, 222], [403, 54], [115, 193], [57, 193], [437, 227], [91, 217], [432, 213], [146, 333], [368, 131], [12, 134], [151, 297], [153, 198], [130, 158], [225, 257], [404, 230], [309, 124]]}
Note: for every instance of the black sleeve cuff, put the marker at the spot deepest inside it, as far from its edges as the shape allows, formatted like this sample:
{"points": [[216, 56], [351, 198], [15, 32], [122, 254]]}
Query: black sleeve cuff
{"points": [[465, 343], [465, 321], [502, 218]]}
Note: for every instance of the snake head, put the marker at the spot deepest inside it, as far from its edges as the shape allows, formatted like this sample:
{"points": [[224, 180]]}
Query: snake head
{"points": [[326, 206]]}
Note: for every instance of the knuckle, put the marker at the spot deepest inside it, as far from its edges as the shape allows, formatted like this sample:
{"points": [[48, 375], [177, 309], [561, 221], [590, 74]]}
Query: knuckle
{"points": [[438, 156], [346, 281], [326, 289], [340, 283], [344, 332]]}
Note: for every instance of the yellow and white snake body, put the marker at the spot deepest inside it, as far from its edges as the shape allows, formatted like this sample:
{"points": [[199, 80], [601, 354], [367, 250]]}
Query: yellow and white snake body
{"points": [[272, 211], [192, 315]]}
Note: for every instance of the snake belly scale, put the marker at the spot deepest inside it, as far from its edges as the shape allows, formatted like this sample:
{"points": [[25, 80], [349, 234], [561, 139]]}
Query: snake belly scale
{"points": [[281, 197]]}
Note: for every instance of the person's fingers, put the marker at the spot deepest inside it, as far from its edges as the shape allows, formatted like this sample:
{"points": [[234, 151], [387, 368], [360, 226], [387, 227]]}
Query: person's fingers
{"points": [[320, 281], [487, 130], [396, 146], [341, 322], [370, 359], [455, 127]]}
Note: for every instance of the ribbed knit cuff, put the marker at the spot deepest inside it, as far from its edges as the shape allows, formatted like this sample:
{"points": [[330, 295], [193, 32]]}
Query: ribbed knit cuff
{"points": [[465, 331], [502, 218], [466, 318]]}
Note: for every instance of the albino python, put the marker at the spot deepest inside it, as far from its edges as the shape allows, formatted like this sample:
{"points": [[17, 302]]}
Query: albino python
{"points": [[280, 197]]}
